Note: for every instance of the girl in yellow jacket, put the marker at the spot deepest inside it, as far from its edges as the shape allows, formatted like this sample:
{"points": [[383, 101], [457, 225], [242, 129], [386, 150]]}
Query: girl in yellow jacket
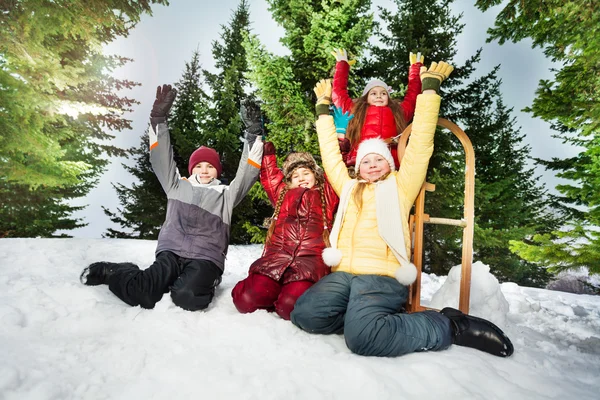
{"points": [[370, 246]]}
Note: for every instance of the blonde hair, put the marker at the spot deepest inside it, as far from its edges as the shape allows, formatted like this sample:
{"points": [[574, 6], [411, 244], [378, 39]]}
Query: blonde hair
{"points": [[357, 194]]}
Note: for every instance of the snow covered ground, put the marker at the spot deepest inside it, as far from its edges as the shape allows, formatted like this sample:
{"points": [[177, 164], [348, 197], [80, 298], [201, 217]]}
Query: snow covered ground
{"points": [[62, 340]]}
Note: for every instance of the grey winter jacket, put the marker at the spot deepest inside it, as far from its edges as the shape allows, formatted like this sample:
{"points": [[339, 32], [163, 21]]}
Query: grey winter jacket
{"points": [[198, 218]]}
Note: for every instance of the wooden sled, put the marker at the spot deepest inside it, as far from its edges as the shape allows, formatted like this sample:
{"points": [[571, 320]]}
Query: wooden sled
{"points": [[419, 218]]}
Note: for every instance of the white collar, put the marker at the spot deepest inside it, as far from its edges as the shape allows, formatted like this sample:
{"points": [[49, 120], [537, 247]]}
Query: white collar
{"points": [[195, 181]]}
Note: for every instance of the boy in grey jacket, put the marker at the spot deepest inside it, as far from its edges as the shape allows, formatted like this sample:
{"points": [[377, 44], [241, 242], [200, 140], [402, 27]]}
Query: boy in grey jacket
{"points": [[193, 241]]}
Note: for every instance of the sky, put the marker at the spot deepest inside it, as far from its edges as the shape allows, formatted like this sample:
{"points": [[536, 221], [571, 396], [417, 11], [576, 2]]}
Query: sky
{"points": [[161, 45], [62, 340]]}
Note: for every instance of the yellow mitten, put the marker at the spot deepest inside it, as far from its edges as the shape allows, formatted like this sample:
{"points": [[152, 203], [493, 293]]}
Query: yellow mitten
{"points": [[432, 78], [416, 58], [323, 91]]}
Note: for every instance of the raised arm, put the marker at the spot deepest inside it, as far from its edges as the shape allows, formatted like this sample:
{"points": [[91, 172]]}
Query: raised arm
{"points": [[413, 89], [413, 168], [331, 157], [271, 176], [248, 169], [161, 151], [340, 95]]}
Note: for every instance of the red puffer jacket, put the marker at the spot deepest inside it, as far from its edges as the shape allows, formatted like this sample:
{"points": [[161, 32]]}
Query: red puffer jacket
{"points": [[294, 251], [379, 121]]}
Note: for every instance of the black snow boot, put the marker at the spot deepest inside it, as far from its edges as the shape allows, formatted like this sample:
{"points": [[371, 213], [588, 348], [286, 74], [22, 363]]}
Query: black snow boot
{"points": [[478, 333], [98, 273]]}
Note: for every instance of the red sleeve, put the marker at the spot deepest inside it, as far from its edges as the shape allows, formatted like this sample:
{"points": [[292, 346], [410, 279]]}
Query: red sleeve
{"points": [[271, 177], [340, 96], [412, 91], [332, 200]]}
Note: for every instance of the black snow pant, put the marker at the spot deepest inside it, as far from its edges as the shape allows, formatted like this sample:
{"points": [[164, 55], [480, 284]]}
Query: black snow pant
{"points": [[192, 282]]}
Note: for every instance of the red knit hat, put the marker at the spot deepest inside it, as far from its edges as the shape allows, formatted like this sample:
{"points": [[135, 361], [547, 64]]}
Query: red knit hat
{"points": [[205, 154]]}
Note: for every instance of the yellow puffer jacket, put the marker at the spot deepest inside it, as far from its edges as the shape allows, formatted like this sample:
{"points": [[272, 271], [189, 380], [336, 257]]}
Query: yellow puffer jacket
{"points": [[363, 250]]}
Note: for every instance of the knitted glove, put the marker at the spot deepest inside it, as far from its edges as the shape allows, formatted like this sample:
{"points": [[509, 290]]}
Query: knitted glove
{"points": [[165, 96], [268, 149], [342, 55], [341, 120], [416, 58], [252, 117], [432, 78], [323, 91]]}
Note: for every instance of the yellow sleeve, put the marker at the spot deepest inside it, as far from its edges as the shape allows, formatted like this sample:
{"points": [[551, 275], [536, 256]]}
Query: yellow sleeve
{"points": [[413, 168], [333, 164]]}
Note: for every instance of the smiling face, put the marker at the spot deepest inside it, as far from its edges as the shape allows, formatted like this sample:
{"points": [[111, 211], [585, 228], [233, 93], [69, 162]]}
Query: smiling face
{"points": [[373, 166], [302, 177], [378, 96], [205, 171]]}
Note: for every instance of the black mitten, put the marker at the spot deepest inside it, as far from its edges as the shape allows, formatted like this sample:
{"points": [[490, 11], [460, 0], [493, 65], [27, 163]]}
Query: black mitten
{"points": [[252, 118], [165, 96]]}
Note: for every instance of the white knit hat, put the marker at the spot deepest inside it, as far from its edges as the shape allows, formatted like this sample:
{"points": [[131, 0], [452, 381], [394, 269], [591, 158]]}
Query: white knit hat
{"points": [[375, 83], [377, 146]]}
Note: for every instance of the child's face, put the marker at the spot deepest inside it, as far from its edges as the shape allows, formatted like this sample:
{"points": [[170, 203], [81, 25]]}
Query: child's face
{"points": [[373, 166], [302, 177], [205, 171], [377, 96]]}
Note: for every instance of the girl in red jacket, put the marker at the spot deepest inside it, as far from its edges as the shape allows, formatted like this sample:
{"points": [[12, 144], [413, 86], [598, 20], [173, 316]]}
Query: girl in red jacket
{"points": [[304, 205], [375, 113]]}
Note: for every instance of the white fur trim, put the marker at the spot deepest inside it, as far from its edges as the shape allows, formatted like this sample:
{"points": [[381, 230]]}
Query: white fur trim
{"points": [[331, 256], [377, 146], [406, 274]]}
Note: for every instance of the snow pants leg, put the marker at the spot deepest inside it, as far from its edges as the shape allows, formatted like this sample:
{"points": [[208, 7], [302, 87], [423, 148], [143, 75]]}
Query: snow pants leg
{"points": [[366, 308], [290, 292], [145, 287], [192, 282], [259, 292], [322, 308], [194, 288], [375, 327], [254, 293]]}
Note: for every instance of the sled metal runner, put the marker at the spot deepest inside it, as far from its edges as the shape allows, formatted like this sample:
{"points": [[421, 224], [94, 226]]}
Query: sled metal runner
{"points": [[419, 218]]}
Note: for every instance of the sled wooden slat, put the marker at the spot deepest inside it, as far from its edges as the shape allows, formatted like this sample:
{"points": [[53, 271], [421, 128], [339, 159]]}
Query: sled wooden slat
{"points": [[419, 218], [446, 221]]}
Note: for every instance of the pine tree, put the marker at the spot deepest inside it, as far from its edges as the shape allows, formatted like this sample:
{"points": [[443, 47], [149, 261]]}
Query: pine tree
{"points": [[510, 203], [143, 206], [36, 213], [285, 83], [228, 87], [567, 31], [58, 102], [52, 60], [188, 118]]}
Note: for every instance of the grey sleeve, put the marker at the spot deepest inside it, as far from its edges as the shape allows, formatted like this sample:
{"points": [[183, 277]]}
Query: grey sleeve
{"points": [[246, 175], [161, 158]]}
